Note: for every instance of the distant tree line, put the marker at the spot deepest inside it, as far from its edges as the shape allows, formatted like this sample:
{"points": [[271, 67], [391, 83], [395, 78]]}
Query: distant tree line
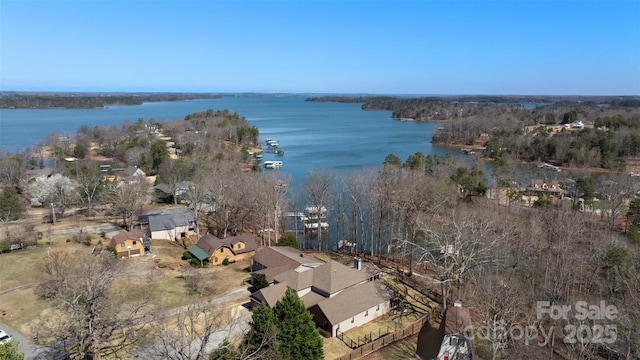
{"points": [[438, 108], [89, 101]]}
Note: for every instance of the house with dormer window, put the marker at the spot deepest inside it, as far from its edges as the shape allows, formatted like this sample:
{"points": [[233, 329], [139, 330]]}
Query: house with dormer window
{"points": [[130, 244], [214, 250]]}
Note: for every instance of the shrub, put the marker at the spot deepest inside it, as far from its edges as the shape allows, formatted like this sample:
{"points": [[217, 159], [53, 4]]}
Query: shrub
{"points": [[186, 255], [288, 239], [260, 281], [195, 262], [225, 261], [111, 250]]}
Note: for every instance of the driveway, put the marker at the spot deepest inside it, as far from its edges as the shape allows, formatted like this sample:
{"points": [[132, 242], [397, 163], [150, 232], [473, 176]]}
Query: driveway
{"points": [[30, 350]]}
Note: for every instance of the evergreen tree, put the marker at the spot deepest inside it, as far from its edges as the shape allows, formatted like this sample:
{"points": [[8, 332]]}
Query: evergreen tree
{"points": [[9, 351], [11, 207], [299, 338], [392, 159], [260, 281], [263, 338], [288, 239]]}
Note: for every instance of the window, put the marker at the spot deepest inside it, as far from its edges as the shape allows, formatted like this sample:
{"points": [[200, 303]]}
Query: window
{"points": [[353, 319], [121, 245], [378, 307], [221, 249], [239, 246], [366, 313], [134, 243], [215, 260]]}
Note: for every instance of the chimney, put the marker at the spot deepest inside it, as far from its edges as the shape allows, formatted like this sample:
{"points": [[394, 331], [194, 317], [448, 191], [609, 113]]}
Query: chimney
{"points": [[357, 263]]}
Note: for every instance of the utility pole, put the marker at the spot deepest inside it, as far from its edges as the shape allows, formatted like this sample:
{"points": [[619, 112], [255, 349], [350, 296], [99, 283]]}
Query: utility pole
{"points": [[53, 213]]}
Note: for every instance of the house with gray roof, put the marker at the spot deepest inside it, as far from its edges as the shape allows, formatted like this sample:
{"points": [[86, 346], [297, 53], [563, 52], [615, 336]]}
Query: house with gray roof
{"points": [[339, 297], [169, 224], [134, 175]]}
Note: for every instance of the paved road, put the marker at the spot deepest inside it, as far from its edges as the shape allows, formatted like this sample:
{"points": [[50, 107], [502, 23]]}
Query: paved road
{"points": [[240, 325], [30, 350], [108, 228]]}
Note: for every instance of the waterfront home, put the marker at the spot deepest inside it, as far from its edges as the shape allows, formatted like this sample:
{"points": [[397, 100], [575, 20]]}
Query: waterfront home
{"points": [[273, 260], [339, 297], [215, 250], [130, 244], [537, 186]]}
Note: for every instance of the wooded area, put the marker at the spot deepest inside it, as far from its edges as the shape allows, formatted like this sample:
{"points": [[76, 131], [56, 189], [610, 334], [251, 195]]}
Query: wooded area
{"points": [[49, 100]]}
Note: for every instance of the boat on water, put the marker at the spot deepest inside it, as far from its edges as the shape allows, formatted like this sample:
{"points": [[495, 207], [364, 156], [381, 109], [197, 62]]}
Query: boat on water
{"points": [[278, 152], [272, 164], [271, 143]]}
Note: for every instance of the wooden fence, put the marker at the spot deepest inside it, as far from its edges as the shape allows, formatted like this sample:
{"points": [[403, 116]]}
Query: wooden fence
{"points": [[386, 340]]}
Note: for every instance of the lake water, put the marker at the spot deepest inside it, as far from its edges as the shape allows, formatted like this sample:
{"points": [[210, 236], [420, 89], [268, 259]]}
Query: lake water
{"points": [[313, 135]]}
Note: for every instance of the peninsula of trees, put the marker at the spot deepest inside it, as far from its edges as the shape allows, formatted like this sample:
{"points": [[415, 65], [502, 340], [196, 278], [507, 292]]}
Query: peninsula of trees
{"points": [[580, 132], [49, 100]]}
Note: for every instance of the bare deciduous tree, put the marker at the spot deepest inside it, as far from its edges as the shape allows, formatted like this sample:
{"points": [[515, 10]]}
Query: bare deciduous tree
{"points": [[193, 332], [91, 319], [128, 199], [317, 188]]}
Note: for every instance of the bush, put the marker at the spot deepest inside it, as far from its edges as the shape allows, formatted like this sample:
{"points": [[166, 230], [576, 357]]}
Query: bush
{"points": [[111, 250], [288, 239], [260, 281], [195, 262], [225, 261], [186, 255]]}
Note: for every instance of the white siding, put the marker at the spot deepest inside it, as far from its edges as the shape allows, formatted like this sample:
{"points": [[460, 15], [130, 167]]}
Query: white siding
{"points": [[172, 234], [362, 318]]}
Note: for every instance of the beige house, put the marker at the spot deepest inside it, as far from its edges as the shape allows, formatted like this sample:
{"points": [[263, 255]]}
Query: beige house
{"points": [[129, 244], [339, 297], [214, 250], [169, 224]]}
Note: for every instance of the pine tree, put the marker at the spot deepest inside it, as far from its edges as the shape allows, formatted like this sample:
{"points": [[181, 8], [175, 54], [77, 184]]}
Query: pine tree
{"points": [[265, 328], [299, 338], [11, 207]]}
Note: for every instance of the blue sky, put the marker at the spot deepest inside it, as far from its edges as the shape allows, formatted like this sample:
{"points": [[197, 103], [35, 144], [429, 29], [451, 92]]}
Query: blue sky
{"points": [[353, 46]]}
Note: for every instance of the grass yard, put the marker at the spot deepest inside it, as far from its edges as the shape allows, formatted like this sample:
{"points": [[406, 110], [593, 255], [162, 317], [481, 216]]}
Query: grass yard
{"points": [[159, 278], [20, 308]]}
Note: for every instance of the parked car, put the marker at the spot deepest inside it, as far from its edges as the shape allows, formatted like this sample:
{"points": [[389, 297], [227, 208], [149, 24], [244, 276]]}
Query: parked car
{"points": [[4, 336]]}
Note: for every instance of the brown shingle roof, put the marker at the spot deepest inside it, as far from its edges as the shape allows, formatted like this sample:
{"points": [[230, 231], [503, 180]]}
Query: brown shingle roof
{"points": [[295, 279], [457, 320], [283, 257], [312, 298], [125, 235], [354, 300], [210, 243], [541, 185], [333, 277], [271, 294]]}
